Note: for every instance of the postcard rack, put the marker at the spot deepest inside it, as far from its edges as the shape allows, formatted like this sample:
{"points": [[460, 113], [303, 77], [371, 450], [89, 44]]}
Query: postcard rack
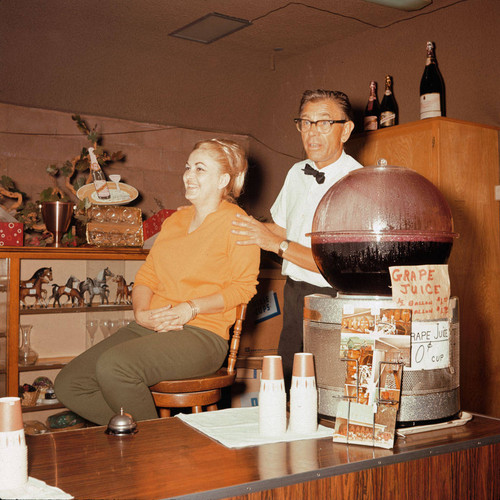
{"points": [[379, 399]]}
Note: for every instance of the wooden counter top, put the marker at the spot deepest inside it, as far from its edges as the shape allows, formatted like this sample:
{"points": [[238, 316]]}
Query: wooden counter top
{"points": [[169, 459]]}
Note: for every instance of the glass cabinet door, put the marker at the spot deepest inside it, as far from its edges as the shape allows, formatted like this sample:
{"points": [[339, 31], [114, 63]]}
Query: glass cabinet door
{"points": [[4, 272]]}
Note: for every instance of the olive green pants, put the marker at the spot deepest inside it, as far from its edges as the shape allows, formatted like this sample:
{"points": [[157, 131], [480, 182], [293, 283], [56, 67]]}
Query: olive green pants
{"points": [[117, 372]]}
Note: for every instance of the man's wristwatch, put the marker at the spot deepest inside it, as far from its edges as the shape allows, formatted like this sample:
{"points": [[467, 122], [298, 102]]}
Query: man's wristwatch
{"points": [[283, 247]]}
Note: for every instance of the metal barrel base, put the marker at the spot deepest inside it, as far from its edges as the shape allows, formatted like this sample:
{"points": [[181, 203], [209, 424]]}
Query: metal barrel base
{"points": [[426, 395], [428, 408]]}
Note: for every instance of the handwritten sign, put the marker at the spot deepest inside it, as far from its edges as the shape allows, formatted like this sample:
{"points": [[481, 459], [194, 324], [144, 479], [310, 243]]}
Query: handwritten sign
{"points": [[430, 345], [424, 289]]}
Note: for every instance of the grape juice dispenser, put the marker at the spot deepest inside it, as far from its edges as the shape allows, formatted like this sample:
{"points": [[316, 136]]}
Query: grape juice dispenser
{"points": [[374, 218]]}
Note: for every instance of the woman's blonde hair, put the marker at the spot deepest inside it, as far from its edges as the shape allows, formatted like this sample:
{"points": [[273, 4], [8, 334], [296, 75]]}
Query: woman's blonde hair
{"points": [[232, 160]]}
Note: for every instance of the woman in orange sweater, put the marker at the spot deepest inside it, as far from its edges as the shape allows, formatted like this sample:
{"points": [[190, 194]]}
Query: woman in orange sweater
{"points": [[184, 298]]}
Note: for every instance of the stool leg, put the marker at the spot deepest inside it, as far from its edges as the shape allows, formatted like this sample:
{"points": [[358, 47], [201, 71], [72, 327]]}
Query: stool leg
{"points": [[212, 407], [196, 409], [164, 412]]}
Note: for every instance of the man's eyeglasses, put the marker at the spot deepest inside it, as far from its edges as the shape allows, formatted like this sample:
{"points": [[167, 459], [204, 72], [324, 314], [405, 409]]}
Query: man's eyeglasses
{"points": [[322, 126]]}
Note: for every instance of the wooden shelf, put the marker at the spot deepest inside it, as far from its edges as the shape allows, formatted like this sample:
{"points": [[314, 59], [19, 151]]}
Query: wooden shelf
{"points": [[49, 406], [57, 310], [74, 253], [47, 364]]}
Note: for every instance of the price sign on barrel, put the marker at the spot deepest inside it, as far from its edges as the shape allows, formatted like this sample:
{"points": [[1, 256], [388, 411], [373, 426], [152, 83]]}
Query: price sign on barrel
{"points": [[424, 289], [430, 345]]}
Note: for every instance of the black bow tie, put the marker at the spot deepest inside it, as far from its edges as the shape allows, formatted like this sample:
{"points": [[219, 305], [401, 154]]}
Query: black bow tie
{"points": [[319, 176]]}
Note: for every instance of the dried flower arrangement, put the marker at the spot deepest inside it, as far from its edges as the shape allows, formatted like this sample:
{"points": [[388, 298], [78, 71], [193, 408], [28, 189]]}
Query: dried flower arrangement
{"points": [[73, 173]]}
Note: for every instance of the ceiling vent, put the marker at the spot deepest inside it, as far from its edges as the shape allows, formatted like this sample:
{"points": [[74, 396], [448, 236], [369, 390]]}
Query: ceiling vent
{"points": [[211, 27]]}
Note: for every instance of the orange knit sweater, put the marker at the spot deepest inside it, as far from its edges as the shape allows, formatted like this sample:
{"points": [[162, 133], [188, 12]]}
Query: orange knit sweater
{"points": [[183, 266]]}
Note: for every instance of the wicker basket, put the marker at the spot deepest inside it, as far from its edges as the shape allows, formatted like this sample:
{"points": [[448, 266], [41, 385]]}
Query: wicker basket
{"points": [[30, 398]]}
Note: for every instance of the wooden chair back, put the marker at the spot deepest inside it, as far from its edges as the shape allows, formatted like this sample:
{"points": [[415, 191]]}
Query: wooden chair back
{"points": [[199, 392], [234, 346]]}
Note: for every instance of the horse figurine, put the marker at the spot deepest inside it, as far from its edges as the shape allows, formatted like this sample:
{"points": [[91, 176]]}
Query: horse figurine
{"points": [[70, 290], [123, 291], [97, 286], [33, 287]]}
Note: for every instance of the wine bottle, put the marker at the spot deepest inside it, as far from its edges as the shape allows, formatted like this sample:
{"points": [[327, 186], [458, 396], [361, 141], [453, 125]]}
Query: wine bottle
{"points": [[431, 87], [372, 110], [388, 106], [100, 183]]}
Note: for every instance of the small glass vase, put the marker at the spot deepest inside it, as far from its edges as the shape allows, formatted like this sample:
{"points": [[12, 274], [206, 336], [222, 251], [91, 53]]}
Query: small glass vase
{"points": [[27, 356]]}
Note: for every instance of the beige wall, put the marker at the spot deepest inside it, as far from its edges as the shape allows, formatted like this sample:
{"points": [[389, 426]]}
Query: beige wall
{"points": [[468, 49], [155, 155], [246, 96]]}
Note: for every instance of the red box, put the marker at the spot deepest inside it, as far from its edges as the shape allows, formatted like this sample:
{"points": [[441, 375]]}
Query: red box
{"points": [[11, 234], [153, 225]]}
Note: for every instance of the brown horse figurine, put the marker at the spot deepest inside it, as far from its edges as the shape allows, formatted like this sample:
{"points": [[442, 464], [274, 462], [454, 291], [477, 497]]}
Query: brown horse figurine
{"points": [[123, 291], [69, 290], [33, 287]]}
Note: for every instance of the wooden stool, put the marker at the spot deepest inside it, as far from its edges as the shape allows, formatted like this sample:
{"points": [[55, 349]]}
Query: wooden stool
{"points": [[197, 392]]}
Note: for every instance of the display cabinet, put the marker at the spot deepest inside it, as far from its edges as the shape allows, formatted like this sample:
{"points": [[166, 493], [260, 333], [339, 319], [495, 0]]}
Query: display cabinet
{"points": [[3, 325], [59, 327]]}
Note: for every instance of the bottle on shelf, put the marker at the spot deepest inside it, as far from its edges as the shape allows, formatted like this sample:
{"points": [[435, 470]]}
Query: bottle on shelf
{"points": [[372, 110], [432, 102], [100, 183], [388, 106]]}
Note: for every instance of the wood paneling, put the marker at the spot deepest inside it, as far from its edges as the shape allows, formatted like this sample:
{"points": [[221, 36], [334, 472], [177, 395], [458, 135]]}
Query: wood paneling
{"points": [[461, 159], [469, 474]]}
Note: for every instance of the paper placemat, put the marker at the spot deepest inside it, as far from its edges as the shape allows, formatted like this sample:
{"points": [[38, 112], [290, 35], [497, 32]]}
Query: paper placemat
{"points": [[239, 427], [35, 489]]}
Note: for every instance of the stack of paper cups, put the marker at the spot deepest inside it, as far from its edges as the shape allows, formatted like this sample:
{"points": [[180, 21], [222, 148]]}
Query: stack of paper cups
{"points": [[303, 395], [272, 398], [13, 450]]}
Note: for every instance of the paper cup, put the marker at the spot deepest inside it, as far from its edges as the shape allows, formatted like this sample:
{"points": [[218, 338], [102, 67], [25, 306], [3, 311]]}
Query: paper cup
{"points": [[13, 450], [303, 395], [303, 365], [11, 417], [272, 398], [272, 368], [272, 408], [13, 468]]}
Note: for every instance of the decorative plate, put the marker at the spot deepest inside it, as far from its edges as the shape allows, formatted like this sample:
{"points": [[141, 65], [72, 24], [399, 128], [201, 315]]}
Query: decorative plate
{"points": [[125, 195]]}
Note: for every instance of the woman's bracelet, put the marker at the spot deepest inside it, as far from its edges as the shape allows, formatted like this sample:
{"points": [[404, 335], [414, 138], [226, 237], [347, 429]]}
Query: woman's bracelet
{"points": [[195, 310]]}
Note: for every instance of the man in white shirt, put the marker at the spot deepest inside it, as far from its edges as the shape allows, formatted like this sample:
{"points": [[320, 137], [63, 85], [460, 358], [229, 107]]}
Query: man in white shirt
{"points": [[325, 124]]}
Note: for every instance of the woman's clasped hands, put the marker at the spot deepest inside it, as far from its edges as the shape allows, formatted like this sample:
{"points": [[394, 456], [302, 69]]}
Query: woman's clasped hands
{"points": [[166, 318]]}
